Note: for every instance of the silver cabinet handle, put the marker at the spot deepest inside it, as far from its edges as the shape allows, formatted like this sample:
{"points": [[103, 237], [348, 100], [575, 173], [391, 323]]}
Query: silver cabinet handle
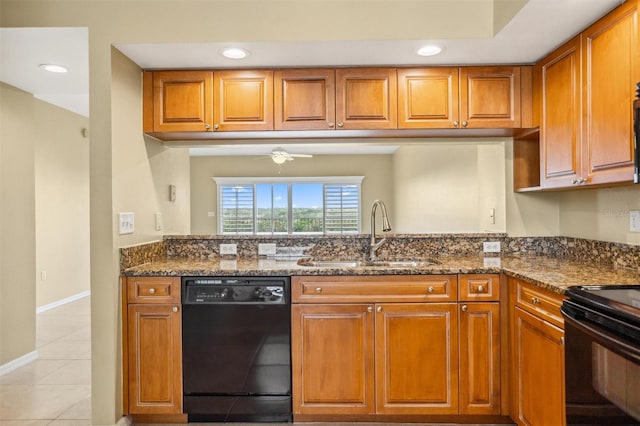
{"points": [[535, 300], [464, 124], [152, 291], [340, 124], [430, 289], [331, 124], [216, 126], [456, 124], [464, 308], [318, 289], [207, 126], [480, 289], [379, 309], [175, 309], [369, 308]]}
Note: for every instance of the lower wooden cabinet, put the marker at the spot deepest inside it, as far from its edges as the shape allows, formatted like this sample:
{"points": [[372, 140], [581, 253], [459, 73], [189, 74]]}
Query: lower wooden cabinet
{"points": [[153, 333], [395, 346], [537, 369]]}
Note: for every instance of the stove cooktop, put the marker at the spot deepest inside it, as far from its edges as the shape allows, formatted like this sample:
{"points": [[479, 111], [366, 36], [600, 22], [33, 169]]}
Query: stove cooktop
{"points": [[622, 301]]}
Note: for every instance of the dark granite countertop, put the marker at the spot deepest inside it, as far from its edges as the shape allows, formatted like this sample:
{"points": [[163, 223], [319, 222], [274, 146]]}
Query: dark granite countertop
{"points": [[554, 274]]}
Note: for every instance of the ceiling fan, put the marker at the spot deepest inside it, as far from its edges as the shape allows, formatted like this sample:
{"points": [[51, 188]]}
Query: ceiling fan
{"points": [[280, 155]]}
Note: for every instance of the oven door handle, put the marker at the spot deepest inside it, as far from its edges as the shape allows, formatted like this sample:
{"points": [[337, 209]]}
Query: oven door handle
{"points": [[604, 337]]}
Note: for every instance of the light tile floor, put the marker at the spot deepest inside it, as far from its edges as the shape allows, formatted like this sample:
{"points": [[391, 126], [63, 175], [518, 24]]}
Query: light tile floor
{"points": [[55, 389]]}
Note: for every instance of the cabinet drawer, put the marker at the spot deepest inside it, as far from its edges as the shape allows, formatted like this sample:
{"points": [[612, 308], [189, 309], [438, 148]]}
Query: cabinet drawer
{"points": [[371, 289], [474, 288], [540, 302], [153, 290]]}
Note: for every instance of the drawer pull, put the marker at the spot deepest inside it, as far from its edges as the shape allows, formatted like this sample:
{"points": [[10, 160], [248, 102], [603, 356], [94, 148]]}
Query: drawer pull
{"points": [[175, 309], [430, 289], [318, 289], [535, 300], [480, 289], [152, 291], [464, 308], [379, 309]]}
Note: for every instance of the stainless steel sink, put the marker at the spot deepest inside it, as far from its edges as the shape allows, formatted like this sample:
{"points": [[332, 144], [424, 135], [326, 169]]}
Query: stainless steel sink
{"points": [[405, 263], [422, 263], [332, 263]]}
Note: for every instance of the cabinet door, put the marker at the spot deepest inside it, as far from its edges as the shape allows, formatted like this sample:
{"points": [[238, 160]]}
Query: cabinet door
{"points": [[560, 132], [243, 100], [333, 359], [155, 359], [490, 97], [417, 358], [539, 366], [182, 101], [610, 70], [305, 99], [480, 358], [366, 98], [427, 98]]}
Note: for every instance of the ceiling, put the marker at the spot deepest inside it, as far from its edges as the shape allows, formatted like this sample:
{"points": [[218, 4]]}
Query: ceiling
{"points": [[537, 28]]}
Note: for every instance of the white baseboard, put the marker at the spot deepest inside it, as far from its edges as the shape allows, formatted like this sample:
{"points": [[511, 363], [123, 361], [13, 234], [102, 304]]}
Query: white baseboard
{"points": [[18, 362], [64, 301]]}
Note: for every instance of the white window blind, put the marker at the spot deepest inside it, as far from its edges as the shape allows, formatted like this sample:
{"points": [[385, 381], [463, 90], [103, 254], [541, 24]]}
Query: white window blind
{"points": [[329, 205], [237, 209], [341, 209]]}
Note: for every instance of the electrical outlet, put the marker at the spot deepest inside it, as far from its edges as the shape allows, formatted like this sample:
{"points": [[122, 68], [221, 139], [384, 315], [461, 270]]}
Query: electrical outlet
{"points": [[634, 220], [266, 249], [491, 246], [231, 249], [158, 217]]}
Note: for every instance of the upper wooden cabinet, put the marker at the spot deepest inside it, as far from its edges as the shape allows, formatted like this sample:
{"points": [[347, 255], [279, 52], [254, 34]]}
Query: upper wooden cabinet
{"points": [[366, 98], [560, 131], [243, 100], [587, 89], [610, 50], [178, 101], [468, 97], [305, 99], [204, 101]]}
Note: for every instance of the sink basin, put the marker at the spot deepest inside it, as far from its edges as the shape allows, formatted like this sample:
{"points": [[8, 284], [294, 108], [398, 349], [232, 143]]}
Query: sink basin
{"points": [[377, 263], [332, 263], [405, 263]]}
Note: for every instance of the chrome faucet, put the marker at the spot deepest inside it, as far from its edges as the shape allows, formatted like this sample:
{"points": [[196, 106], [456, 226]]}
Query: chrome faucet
{"points": [[386, 227]]}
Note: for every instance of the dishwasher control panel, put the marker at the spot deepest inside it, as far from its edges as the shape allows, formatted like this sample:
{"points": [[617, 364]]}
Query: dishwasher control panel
{"points": [[249, 290]]}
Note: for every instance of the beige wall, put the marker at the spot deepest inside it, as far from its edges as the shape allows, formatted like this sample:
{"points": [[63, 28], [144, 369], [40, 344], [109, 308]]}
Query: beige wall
{"points": [[62, 203], [17, 224], [376, 184], [449, 186], [529, 214], [600, 214]]}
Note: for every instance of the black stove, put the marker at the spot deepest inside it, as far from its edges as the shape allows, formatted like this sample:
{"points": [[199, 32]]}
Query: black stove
{"points": [[602, 355]]}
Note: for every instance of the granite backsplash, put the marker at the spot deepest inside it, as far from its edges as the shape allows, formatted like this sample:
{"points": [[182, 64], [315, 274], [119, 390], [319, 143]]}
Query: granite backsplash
{"points": [[349, 247]]}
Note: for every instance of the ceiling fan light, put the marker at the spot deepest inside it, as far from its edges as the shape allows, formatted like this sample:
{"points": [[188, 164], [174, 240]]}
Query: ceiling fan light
{"points": [[279, 158]]}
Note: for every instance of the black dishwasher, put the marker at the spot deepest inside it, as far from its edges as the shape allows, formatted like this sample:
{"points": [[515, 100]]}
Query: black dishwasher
{"points": [[236, 345]]}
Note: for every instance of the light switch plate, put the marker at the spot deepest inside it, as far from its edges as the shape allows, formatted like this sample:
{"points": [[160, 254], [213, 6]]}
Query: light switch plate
{"points": [[126, 223], [228, 249]]}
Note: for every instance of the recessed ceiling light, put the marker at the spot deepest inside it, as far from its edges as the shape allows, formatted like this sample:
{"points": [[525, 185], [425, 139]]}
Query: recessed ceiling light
{"points": [[430, 50], [235, 53], [54, 68]]}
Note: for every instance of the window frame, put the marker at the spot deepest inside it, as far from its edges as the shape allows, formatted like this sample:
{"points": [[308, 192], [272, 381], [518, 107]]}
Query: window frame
{"points": [[289, 181]]}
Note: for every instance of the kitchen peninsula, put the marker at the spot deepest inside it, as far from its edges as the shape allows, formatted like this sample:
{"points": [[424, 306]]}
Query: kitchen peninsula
{"points": [[482, 302]]}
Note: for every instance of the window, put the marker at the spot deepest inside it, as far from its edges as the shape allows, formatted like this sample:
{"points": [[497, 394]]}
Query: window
{"points": [[281, 206]]}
